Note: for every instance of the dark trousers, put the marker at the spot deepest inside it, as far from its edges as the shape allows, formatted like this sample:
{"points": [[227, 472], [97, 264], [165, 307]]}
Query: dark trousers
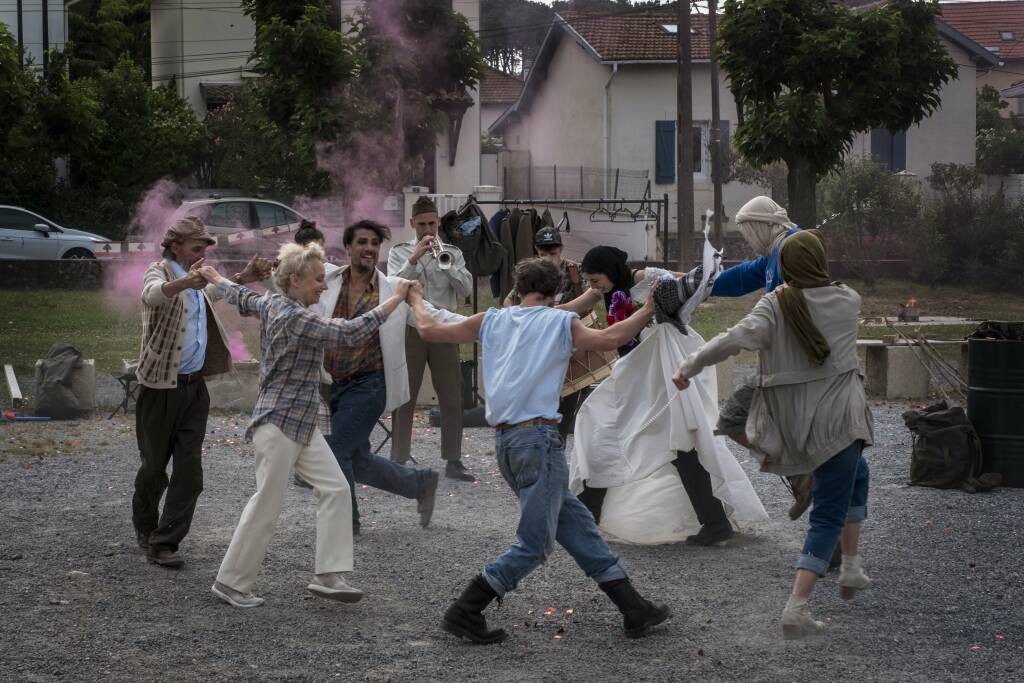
{"points": [[170, 425], [567, 408], [355, 406], [696, 482]]}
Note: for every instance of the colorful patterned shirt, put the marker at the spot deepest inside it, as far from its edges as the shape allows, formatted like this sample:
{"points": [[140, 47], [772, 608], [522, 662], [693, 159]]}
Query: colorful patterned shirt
{"points": [[344, 363], [292, 343]]}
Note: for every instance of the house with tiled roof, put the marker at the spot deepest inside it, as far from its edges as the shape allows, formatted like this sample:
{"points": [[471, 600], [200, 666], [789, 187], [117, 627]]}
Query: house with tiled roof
{"points": [[498, 91], [602, 93], [999, 28]]}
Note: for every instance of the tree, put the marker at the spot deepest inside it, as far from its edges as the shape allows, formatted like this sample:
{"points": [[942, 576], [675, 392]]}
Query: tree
{"points": [[101, 31], [808, 76], [872, 214], [511, 31], [1000, 141]]}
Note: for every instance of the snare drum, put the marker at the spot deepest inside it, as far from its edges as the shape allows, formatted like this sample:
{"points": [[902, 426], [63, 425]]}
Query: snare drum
{"points": [[587, 367]]}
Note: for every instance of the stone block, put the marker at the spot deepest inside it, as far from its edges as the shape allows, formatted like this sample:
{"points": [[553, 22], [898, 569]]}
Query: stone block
{"points": [[894, 372]]}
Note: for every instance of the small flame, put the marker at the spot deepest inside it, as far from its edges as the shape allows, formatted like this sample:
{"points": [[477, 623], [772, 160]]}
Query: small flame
{"points": [[912, 302]]}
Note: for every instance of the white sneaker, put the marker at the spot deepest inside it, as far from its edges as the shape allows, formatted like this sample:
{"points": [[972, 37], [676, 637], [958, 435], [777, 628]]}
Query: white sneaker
{"points": [[235, 598], [797, 621], [332, 587], [852, 577]]}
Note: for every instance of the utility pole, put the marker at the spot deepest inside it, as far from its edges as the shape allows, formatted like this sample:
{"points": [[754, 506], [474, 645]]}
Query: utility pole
{"points": [[684, 138], [716, 124]]}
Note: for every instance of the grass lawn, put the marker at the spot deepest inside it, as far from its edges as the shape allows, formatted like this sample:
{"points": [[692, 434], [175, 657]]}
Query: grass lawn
{"points": [[30, 322]]}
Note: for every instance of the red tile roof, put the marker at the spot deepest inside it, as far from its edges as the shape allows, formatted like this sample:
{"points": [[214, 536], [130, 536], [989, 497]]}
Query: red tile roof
{"points": [[982, 22], [498, 87], [637, 36]]}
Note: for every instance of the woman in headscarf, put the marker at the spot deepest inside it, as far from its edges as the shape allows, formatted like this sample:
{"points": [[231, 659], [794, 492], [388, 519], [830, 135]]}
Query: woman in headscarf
{"points": [[809, 412], [645, 463]]}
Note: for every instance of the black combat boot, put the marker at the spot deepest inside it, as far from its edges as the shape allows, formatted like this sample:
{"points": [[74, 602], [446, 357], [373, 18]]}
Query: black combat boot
{"points": [[638, 615], [465, 617]]}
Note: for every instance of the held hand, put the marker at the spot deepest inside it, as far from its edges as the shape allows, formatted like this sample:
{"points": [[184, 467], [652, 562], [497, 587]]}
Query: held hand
{"points": [[209, 274], [194, 278], [680, 380], [415, 296], [402, 289]]}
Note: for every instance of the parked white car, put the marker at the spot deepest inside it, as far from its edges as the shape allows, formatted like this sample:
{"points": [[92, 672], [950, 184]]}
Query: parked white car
{"points": [[231, 218], [25, 234]]}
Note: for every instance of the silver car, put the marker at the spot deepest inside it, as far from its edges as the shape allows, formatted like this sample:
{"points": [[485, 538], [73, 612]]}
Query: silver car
{"points": [[243, 225], [27, 235]]}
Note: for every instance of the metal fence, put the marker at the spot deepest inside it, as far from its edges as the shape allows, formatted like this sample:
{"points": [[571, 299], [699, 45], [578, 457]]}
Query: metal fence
{"points": [[573, 181]]}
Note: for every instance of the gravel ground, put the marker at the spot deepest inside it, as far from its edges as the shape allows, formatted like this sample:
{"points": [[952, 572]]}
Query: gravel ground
{"points": [[79, 602]]}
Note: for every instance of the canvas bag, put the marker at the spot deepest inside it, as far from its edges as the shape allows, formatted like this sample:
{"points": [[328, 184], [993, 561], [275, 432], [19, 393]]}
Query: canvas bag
{"points": [[946, 451]]}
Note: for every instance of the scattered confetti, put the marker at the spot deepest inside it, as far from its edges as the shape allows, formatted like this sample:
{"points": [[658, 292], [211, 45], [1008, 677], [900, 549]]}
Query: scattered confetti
{"points": [[1000, 636], [569, 610], [549, 611], [559, 633], [976, 648]]}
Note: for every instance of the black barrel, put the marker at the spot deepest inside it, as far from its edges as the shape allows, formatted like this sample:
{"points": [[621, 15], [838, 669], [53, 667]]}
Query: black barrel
{"points": [[995, 403]]}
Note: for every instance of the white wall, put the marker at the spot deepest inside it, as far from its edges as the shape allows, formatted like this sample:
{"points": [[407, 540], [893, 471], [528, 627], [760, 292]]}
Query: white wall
{"points": [[947, 136], [489, 113], [205, 46], [32, 26]]}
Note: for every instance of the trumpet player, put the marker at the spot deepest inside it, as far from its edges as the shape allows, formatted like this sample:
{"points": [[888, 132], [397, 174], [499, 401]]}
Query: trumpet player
{"points": [[441, 269]]}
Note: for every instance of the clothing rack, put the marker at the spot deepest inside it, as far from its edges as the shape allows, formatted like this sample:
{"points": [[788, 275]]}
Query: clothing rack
{"points": [[647, 208]]}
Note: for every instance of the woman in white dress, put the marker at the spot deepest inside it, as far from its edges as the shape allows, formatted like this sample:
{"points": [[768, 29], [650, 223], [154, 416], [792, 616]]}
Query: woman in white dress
{"points": [[645, 460]]}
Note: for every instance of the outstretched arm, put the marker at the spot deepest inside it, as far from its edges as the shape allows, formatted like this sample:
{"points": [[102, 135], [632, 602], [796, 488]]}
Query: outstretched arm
{"points": [[462, 332], [614, 336], [582, 304]]}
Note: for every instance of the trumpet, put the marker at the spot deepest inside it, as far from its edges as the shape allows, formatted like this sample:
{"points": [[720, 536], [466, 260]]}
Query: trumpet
{"points": [[443, 256]]}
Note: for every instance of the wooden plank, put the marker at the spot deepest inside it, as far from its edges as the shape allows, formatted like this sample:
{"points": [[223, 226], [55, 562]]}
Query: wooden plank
{"points": [[17, 400]]}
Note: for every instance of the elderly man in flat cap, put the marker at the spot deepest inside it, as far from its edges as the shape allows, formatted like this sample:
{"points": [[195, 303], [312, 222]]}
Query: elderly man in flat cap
{"points": [[444, 288], [183, 341]]}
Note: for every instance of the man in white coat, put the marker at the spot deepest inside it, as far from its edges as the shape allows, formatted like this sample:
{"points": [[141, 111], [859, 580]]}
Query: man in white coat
{"points": [[370, 379]]}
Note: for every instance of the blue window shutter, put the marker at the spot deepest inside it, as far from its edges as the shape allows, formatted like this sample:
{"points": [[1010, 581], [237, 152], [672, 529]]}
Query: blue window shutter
{"points": [[881, 147], [664, 152], [899, 151]]}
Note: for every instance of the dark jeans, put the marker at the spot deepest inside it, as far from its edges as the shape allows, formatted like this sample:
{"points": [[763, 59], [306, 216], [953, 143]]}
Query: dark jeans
{"points": [[840, 496], [170, 425], [697, 483], [355, 406], [532, 462]]}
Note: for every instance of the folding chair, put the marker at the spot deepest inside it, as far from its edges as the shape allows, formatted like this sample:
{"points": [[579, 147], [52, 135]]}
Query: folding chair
{"points": [[129, 382]]}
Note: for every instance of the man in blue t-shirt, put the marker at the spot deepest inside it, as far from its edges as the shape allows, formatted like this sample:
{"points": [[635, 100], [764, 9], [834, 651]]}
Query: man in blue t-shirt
{"points": [[526, 350]]}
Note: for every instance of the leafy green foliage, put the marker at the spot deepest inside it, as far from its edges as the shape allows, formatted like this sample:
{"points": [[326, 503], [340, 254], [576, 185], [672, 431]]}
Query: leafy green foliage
{"points": [[872, 214], [1000, 141], [102, 31], [808, 76]]}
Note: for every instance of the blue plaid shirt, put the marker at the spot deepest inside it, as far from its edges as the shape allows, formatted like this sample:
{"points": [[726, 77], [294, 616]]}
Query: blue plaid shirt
{"points": [[292, 343]]}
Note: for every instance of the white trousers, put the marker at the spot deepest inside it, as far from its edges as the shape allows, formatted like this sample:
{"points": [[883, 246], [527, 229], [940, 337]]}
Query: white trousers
{"points": [[276, 454]]}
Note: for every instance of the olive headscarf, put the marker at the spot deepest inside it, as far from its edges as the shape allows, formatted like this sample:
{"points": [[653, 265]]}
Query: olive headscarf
{"points": [[804, 266]]}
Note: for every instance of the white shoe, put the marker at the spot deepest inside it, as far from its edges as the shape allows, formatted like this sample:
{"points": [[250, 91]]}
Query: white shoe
{"points": [[797, 621], [852, 577], [332, 587], [235, 598]]}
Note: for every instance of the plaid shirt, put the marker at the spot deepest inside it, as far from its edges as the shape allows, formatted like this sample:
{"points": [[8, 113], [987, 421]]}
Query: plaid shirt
{"points": [[292, 343], [346, 363]]}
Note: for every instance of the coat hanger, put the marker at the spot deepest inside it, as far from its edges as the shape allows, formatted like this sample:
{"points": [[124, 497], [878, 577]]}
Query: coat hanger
{"points": [[600, 214]]}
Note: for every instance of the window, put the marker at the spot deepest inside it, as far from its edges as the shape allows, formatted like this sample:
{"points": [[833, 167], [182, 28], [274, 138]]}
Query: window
{"points": [[1006, 35], [665, 149], [270, 215], [230, 215], [889, 149], [13, 219]]}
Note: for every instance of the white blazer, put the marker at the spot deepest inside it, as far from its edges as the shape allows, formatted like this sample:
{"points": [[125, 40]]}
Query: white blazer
{"points": [[391, 333]]}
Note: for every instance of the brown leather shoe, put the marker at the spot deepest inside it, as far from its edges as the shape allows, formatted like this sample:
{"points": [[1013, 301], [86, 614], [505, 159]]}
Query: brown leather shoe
{"points": [[165, 557]]}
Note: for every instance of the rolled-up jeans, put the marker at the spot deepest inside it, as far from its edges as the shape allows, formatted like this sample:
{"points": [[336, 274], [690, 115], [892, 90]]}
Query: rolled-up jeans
{"points": [[355, 406], [839, 497], [532, 461]]}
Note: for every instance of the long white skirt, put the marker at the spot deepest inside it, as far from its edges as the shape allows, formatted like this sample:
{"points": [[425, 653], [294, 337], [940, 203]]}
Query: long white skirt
{"points": [[626, 439]]}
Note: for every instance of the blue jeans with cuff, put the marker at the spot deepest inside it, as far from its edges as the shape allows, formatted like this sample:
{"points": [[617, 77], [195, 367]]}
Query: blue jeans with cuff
{"points": [[355, 405], [839, 497], [532, 461]]}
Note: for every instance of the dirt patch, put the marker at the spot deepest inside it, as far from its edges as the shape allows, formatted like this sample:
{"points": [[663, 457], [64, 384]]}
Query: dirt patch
{"points": [[80, 603]]}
